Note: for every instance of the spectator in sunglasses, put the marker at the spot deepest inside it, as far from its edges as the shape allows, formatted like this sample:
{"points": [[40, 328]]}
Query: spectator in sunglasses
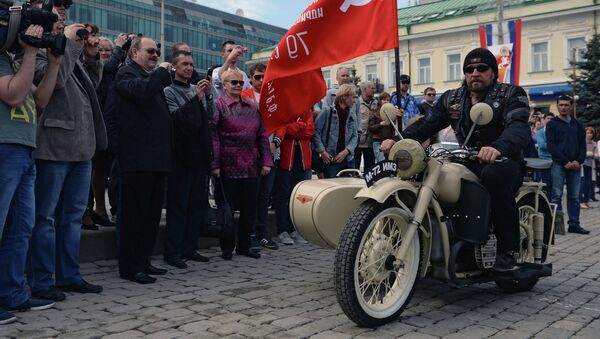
{"points": [[260, 235], [404, 101], [505, 136], [428, 100], [144, 155], [241, 155]]}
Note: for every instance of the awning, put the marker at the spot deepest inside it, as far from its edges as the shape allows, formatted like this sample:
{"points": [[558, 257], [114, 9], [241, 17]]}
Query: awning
{"points": [[540, 93]]}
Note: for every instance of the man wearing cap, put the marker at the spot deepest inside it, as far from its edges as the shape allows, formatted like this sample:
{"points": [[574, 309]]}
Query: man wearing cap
{"points": [[504, 136], [408, 105]]}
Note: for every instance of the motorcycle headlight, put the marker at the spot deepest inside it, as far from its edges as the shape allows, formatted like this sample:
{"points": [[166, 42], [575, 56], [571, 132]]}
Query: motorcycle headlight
{"points": [[410, 157]]}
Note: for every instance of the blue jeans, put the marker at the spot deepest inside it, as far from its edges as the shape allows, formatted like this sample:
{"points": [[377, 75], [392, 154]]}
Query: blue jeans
{"points": [[586, 184], [332, 169], [560, 176], [265, 187], [286, 181], [61, 191], [17, 215], [379, 155]]}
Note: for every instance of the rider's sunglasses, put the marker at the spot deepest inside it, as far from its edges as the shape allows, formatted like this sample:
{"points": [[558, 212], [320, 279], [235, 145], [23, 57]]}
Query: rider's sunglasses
{"points": [[258, 77], [237, 82], [430, 94], [480, 68]]}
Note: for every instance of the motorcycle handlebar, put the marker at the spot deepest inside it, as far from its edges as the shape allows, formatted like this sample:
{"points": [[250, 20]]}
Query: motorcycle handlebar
{"points": [[471, 155]]}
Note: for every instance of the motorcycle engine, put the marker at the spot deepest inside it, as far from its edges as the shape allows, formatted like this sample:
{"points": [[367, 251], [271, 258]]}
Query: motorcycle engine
{"points": [[485, 255]]}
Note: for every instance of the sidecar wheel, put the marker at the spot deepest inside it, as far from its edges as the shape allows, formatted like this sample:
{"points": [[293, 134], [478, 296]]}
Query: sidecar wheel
{"points": [[515, 286], [372, 288]]}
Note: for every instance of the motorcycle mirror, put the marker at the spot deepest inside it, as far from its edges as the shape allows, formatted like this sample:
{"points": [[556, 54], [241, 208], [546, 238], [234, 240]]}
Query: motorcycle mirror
{"points": [[388, 112], [481, 113]]}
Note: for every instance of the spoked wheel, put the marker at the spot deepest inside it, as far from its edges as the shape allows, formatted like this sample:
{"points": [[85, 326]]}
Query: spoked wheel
{"points": [[525, 254], [372, 286]]}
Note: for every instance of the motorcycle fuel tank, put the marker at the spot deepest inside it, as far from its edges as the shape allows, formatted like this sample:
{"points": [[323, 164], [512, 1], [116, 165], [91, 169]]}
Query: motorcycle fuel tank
{"points": [[319, 209], [448, 187]]}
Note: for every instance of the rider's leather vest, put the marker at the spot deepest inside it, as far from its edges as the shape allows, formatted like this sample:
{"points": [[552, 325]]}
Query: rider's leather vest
{"points": [[458, 110]]}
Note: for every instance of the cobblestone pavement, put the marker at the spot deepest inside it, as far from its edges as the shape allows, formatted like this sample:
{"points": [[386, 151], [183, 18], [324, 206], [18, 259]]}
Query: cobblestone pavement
{"points": [[289, 293]]}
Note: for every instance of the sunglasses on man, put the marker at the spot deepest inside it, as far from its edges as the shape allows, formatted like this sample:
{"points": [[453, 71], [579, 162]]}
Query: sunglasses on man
{"points": [[430, 94], [237, 82], [152, 51], [480, 68], [405, 82], [258, 77]]}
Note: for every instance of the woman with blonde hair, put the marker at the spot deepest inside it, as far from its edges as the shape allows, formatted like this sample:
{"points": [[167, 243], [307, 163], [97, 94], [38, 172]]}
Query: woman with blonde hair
{"points": [[241, 154], [336, 134]]}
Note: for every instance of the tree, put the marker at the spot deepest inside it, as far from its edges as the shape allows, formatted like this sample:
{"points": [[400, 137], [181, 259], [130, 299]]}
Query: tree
{"points": [[587, 87]]}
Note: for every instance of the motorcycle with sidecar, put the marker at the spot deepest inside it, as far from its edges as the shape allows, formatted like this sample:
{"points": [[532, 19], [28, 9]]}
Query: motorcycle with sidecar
{"points": [[422, 213]]}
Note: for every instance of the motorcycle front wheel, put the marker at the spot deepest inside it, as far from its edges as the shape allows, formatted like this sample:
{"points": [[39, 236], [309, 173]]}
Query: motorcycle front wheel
{"points": [[372, 288]]}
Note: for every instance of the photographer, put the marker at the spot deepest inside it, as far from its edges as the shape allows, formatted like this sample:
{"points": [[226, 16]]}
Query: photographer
{"points": [[18, 98], [231, 54], [70, 131]]}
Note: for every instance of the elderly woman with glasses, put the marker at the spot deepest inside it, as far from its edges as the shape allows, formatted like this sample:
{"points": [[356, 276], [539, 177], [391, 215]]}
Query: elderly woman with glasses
{"points": [[241, 154]]}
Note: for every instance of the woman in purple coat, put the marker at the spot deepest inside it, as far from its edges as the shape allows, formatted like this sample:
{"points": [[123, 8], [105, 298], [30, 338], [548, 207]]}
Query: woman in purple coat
{"points": [[241, 154]]}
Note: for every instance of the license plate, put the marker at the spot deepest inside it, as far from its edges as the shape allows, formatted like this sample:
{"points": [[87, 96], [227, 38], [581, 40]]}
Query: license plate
{"points": [[380, 170]]}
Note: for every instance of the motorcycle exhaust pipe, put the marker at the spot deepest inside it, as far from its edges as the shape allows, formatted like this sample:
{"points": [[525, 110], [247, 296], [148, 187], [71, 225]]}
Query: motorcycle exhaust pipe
{"points": [[538, 236]]}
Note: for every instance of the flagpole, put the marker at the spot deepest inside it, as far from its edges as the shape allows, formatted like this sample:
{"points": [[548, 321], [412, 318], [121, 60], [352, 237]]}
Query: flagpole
{"points": [[397, 66]]}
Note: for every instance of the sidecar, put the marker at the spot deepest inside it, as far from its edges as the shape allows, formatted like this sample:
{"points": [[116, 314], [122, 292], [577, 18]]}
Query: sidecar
{"points": [[320, 208]]}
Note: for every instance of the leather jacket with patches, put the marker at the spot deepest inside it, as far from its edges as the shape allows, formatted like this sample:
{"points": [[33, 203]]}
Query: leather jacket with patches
{"points": [[508, 132]]}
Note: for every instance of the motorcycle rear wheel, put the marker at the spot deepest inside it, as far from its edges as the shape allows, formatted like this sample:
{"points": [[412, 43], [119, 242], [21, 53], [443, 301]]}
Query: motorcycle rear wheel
{"points": [[526, 207], [369, 289]]}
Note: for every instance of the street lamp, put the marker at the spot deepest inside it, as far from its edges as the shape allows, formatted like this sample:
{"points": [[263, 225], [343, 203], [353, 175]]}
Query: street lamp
{"points": [[162, 30]]}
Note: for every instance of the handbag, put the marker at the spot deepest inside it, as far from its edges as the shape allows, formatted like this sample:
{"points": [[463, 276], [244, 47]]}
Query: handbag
{"points": [[225, 220], [317, 163]]}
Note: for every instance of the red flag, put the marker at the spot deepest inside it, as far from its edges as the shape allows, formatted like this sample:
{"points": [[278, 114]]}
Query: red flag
{"points": [[327, 33]]}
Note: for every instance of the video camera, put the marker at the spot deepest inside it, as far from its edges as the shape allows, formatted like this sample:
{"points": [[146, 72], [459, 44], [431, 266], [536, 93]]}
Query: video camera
{"points": [[15, 19]]}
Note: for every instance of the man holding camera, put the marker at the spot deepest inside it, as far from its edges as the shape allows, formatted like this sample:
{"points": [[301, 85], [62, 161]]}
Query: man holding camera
{"points": [[70, 131], [145, 132], [231, 54], [18, 99]]}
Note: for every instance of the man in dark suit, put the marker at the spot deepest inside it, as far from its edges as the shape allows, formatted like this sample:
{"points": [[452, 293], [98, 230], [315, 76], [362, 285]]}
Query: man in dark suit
{"points": [[145, 133]]}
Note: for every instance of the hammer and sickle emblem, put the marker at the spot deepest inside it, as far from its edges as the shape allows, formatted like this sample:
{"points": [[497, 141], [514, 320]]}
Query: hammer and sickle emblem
{"points": [[346, 5]]}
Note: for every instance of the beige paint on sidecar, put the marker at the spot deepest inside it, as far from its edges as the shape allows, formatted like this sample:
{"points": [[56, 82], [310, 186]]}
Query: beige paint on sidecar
{"points": [[319, 209], [447, 189]]}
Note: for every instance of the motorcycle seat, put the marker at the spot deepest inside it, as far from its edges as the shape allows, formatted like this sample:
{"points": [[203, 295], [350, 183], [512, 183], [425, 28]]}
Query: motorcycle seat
{"points": [[538, 163]]}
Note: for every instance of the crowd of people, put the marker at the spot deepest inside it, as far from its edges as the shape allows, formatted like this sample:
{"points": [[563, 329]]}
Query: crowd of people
{"points": [[109, 115]]}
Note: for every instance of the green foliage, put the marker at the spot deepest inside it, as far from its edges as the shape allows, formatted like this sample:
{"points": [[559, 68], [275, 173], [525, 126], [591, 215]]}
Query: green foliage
{"points": [[587, 87]]}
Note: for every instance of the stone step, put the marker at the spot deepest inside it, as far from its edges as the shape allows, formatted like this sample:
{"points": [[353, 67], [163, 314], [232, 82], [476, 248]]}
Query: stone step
{"points": [[102, 244]]}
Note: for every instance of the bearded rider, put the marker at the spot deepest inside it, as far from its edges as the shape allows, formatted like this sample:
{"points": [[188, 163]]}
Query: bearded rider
{"points": [[505, 136]]}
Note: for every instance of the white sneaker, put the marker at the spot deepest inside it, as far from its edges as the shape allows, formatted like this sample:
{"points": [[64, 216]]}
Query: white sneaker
{"points": [[297, 238], [285, 239]]}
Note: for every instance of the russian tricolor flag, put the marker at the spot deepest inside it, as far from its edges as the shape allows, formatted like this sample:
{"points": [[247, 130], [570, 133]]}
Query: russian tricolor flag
{"points": [[508, 54]]}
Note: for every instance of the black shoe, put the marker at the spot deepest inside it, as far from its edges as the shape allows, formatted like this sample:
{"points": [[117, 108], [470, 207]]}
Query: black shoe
{"points": [[6, 317], [81, 287], [576, 228], [100, 220], [227, 256], [90, 227], [51, 293], [254, 243], [33, 304], [195, 256], [505, 261], [176, 262], [155, 270], [270, 244], [140, 278], [249, 253]]}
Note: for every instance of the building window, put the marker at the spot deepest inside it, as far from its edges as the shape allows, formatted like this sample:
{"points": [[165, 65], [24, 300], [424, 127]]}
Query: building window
{"points": [[577, 44], [424, 67], [392, 80], [327, 77], [539, 57], [371, 72], [454, 67]]}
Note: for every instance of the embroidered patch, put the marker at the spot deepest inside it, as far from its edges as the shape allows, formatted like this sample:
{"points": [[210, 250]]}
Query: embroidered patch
{"points": [[496, 104], [454, 107], [524, 100]]}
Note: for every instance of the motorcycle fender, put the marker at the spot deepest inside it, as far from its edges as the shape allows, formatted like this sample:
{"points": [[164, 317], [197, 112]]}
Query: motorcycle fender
{"points": [[384, 189]]}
